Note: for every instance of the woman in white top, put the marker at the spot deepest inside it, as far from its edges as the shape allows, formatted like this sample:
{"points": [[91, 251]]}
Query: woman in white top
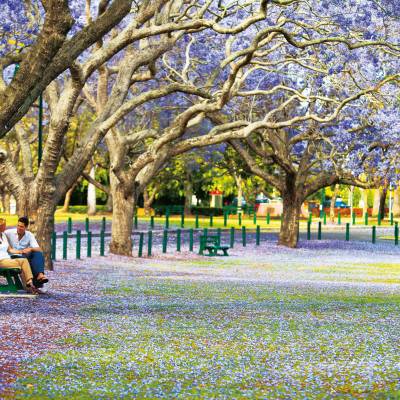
{"points": [[20, 263]]}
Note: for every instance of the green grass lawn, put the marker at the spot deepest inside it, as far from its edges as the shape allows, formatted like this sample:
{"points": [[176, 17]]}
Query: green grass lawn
{"points": [[170, 337]]}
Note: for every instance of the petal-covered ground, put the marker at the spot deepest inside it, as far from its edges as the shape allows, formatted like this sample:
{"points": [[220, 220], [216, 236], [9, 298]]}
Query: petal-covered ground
{"points": [[321, 321]]}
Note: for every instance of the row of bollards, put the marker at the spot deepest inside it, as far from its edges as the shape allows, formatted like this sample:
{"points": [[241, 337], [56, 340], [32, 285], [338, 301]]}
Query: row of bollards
{"points": [[166, 233], [87, 224], [165, 238], [353, 218], [226, 220], [347, 232], [78, 244]]}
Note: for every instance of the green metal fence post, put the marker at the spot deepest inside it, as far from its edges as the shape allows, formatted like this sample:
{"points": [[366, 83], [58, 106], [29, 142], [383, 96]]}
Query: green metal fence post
{"points": [[308, 230], [141, 237], [197, 221], [89, 244], [379, 219], [152, 222], [319, 230], [103, 224], [225, 218], [354, 218], [69, 225], [178, 239], [87, 224], [268, 218], [102, 243], [53, 245], [166, 221], [211, 220], [149, 243], [78, 244], [366, 219], [391, 219], [240, 219], [165, 241], [65, 240], [374, 234], [258, 235], [191, 239], [182, 220], [232, 238], [396, 233], [339, 218], [244, 236], [347, 231], [254, 218], [135, 221]]}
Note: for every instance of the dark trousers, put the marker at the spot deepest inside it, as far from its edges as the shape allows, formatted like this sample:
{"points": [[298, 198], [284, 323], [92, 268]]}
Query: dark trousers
{"points": [[36, 261]]}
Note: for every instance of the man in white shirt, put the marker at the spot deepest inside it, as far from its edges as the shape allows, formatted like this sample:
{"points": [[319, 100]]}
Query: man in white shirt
{"points": [[24, 244], [7, 262]]}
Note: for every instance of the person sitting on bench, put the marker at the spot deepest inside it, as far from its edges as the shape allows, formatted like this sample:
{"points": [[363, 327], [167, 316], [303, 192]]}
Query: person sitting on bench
{"points": [[23, 244], [21, 263]]}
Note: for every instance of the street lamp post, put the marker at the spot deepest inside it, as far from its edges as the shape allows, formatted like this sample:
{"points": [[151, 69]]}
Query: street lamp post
{"points": [[321, 207], [40, 130], [40, 121]]}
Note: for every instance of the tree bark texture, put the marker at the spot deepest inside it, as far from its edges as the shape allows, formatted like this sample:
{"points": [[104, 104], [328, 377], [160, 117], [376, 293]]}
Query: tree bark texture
{"points": [[121, 229], [292, 201], [67, 199], [377, 199], [382, 201], [396, 202], [332, 205], [188, 195], [91, 194]]}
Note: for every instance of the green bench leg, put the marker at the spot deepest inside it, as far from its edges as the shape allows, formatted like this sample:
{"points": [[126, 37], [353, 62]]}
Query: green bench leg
{"points": [[18, 282], [13, 283]]}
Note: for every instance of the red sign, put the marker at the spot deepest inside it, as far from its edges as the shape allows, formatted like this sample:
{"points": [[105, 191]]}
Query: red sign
{"points": [[216, 192]]}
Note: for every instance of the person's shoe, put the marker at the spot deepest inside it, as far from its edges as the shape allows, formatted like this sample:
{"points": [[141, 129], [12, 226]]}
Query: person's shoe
{"points": [[42, 278], [30, 288]]}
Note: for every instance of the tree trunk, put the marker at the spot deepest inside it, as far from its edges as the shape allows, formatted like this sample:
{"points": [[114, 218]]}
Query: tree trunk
{"points": [[6, 202], [40, 209], [121, 228], [364, 196], [146, 202], [44, 230], [382, 201], [332, 205], [91, 194], [396, 202], [288, 235], [188, 196], [109, 204], [377, 199], [67, 199], [238, 180]]}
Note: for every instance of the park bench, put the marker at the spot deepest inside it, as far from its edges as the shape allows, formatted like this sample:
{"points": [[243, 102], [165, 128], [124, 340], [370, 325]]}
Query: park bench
{"points": [[212, 244], [13, 281]]}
